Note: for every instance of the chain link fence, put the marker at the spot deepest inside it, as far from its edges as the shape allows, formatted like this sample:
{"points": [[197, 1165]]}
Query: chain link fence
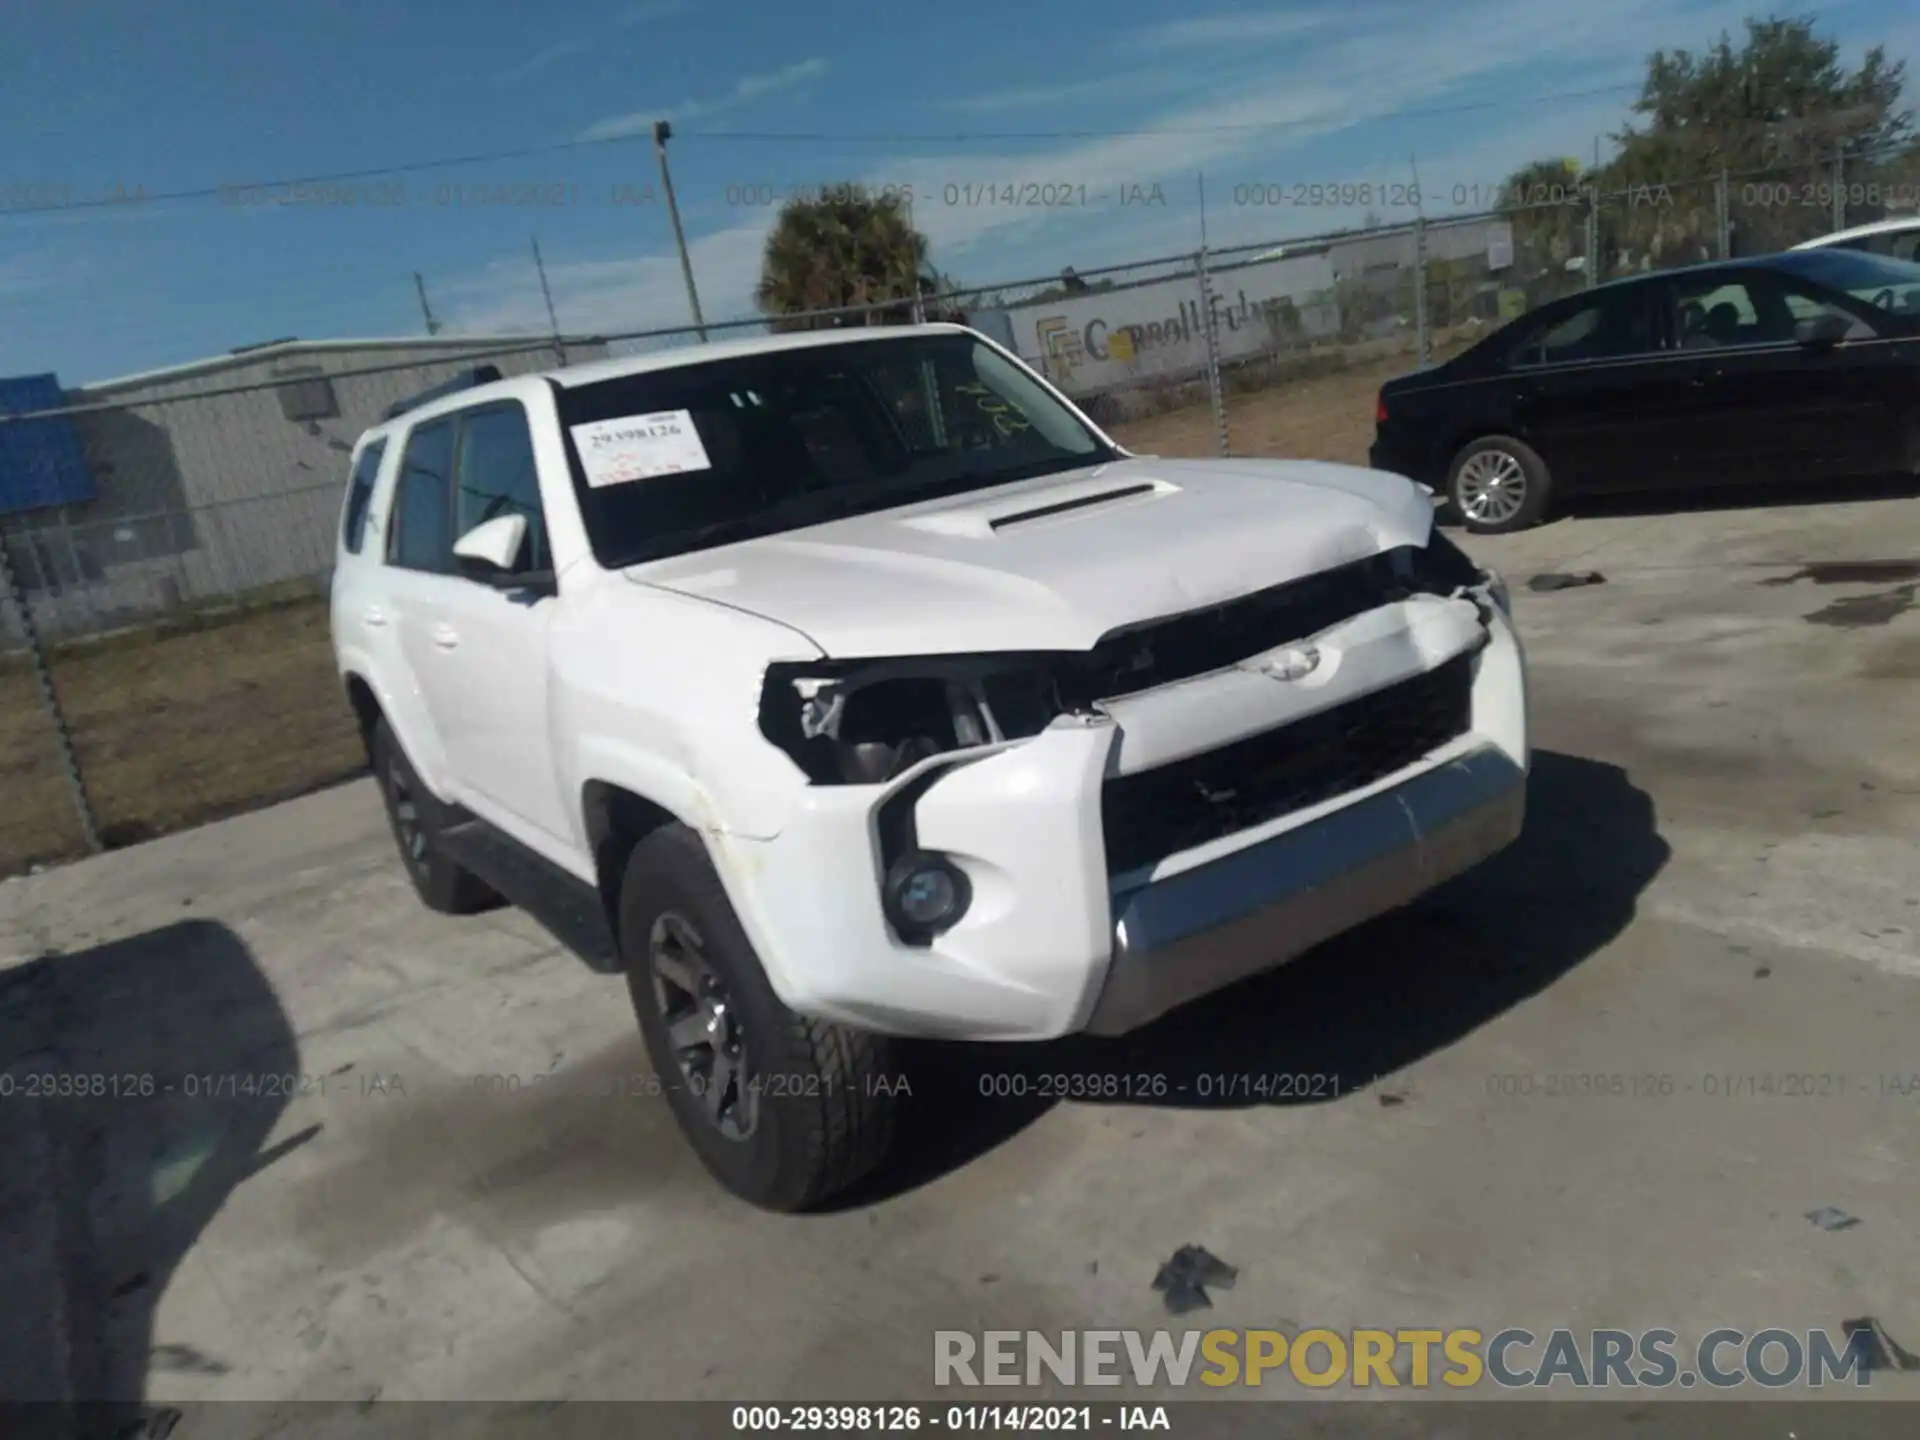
{"points": [[164, 656]]}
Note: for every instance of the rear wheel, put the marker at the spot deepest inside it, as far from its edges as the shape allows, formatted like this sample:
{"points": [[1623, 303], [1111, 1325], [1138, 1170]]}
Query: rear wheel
{"points": [[784, 1111], [416, 817], [1497, 485]]}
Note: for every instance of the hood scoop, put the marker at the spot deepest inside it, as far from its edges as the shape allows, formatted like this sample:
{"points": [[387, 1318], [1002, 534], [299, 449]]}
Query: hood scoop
{"points": [[983, 521]]}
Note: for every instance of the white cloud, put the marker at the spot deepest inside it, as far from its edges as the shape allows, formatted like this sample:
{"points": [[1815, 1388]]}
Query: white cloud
{"points": [[610, 296], [1242, 29], [1258, 128], [1129, 87], [1262, 128], [651, 10], [542, 59], [746, 89]]}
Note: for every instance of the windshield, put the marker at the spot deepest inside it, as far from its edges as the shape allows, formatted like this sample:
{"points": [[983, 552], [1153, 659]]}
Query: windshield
{"points": [[699, 455], [1880, 280]]}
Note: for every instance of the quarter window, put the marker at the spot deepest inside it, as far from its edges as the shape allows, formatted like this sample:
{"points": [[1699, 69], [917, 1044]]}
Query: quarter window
{"points": [[353, 525]]}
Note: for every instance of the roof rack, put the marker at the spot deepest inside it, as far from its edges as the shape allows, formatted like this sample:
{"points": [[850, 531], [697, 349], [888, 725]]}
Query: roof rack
{"points": [[465, 380]]}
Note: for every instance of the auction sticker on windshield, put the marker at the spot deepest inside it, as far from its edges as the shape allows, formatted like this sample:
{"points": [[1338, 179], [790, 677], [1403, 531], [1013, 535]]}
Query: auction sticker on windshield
{"points": [[639, 447]]}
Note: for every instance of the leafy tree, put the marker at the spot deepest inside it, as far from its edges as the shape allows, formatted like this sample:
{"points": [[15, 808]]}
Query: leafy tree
{"points": [[1776, 113], [843, 248]]}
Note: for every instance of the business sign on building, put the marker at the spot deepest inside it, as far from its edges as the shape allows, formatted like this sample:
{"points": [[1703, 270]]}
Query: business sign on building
{"points": [[1112, 338]]}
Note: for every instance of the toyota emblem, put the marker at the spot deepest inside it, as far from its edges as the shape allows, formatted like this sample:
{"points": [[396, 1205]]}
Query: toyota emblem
{"points": [[1294, 663]]}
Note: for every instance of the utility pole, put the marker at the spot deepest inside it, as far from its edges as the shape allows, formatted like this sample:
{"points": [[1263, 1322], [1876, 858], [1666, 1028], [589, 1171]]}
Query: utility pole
{"points": [[663, 132], [426, 310], [1423, 325], [547, 292]]}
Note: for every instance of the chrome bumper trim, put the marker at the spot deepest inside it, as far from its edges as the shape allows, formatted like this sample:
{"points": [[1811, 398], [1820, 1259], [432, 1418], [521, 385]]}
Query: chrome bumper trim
{"points": [[1178, 939]]}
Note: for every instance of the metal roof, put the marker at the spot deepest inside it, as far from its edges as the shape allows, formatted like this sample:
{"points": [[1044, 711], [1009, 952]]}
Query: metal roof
{"points": [[284, 349]]}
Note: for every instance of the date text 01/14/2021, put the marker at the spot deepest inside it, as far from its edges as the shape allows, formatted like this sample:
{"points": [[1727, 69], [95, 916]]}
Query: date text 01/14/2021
{"points": [[910, 1419], [222, 1085], [1147, 1085]]}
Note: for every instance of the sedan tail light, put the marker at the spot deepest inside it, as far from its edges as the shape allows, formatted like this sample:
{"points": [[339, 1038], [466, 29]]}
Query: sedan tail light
{"points": [[1380, 410]]}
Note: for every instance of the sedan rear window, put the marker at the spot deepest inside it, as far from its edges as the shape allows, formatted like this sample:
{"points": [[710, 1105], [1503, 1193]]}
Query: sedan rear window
{"points": [[1607, 327]]}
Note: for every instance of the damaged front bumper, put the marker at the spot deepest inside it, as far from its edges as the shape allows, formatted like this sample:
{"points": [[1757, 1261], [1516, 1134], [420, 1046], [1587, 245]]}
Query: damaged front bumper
{"points": [[1083, 920]]}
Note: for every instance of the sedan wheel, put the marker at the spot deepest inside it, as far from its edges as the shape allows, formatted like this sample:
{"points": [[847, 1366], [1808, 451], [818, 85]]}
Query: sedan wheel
{"points": [[1492, 488], [1498, 484]]}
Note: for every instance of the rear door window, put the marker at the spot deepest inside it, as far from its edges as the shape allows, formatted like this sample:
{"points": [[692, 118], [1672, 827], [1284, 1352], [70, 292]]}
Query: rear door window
{"points": [[1614, 326], [421, 535]]}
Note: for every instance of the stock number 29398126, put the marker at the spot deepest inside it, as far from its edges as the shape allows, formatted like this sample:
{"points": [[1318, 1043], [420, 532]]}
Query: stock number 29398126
{"points": [[1076, 1085]]}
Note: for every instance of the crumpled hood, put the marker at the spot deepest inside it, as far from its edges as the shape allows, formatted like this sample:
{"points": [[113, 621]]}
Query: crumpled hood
{"points": [[1055, 563]]}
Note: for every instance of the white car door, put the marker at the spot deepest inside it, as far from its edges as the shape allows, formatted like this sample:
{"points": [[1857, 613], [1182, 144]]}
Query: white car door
{"points": [[492, 684], [411, 589]]}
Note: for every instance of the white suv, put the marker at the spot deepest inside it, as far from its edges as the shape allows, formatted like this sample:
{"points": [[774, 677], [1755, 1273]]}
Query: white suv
{"points": [[847, 687]]}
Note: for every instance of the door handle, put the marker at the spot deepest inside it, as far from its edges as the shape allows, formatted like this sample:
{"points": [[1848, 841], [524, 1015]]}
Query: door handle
{"points": [[445, 637], [374, 618]]}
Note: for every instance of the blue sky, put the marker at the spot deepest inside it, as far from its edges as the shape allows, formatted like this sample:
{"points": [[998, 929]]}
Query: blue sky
{"points": [[121, 99]]}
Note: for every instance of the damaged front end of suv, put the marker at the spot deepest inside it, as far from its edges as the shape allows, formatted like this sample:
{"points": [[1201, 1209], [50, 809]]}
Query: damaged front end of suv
{"points": [[870, 721]]}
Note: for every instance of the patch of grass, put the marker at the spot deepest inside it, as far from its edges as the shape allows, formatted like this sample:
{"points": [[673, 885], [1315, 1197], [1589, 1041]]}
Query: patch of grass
{"points": [[175, 730]]}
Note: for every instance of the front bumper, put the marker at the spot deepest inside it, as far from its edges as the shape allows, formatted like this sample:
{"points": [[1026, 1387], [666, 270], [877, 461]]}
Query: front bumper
{"points": [[1054, 943], [1187, 936]]}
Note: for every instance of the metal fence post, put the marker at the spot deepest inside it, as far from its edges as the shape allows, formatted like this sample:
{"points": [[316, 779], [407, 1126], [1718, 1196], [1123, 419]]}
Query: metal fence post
{"points": [[1421, 320], [49, 697], [1839, 185], [1593, 236], [1209, 330], [1723, 217]]}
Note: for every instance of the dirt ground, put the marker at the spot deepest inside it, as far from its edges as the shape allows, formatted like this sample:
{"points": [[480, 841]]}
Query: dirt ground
{"points": [[185, 728], [174, 731]]}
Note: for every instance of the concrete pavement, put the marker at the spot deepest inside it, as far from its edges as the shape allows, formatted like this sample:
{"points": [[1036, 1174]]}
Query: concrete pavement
{"points": [[1717, 886]]}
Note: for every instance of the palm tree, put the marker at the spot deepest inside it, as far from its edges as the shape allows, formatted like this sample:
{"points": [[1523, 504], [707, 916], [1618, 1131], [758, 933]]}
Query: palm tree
{"points": [[845, 247]]}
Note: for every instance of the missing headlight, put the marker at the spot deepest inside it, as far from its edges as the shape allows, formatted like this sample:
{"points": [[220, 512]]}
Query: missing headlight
{"points": [[866, 723]]}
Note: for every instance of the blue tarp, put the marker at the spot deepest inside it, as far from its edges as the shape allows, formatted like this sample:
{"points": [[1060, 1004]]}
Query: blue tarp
{"points": [[42, 462]]}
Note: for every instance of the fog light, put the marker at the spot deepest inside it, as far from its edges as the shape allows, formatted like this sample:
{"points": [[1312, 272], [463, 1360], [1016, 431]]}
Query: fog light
{"points": [[925, 895]]}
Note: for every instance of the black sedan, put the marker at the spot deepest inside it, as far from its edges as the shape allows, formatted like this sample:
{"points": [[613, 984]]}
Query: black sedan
{"points": [[1803, 366]]}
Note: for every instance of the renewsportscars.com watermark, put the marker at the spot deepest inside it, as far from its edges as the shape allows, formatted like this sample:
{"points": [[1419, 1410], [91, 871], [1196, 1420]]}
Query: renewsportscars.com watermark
{"points": [[1410, 1359]]}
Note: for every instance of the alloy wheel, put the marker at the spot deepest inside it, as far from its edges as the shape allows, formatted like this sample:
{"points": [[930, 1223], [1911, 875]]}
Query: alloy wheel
{"points": [[406, 816], [703, 1026], [1492, 487]]}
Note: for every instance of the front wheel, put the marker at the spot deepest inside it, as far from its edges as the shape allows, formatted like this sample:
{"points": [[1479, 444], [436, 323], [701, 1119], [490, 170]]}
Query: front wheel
{"points": [[784, 1111], [1497, 485]]}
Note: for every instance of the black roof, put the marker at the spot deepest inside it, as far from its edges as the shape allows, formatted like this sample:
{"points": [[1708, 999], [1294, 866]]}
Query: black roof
{"points": [[1807, 262], [465, 380]]}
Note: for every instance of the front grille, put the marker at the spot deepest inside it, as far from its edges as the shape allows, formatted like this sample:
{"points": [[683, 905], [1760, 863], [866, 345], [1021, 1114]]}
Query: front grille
{"points": [[1180, 647], [1157, 813], [1183, 646]]}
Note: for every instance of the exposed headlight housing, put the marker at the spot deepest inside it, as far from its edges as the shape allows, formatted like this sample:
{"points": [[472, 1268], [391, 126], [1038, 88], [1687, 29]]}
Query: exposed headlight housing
{"points": [[866, 722]]}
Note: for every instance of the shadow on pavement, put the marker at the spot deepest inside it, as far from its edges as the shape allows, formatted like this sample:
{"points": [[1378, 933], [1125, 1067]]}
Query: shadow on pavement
{"points": [[1351, 1012], [143, 1079]]}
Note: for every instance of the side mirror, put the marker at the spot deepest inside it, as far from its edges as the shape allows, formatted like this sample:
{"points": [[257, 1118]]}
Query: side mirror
{"points": [[488, 553], [493, 546]]}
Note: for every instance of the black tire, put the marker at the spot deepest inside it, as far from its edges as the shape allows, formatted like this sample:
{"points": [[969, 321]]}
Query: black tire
{"points": [[416, 816], [1483, 477], [815, 1117]]}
